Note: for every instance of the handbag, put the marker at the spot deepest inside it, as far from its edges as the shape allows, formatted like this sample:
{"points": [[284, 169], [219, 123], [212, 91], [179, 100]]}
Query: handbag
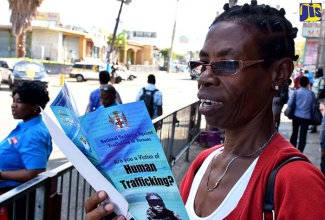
{"points": [[290, 110], [316, 115]]}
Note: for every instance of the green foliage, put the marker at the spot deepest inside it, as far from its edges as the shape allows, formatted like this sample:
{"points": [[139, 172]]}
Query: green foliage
{"points": [[120, 40], [164, 53]]}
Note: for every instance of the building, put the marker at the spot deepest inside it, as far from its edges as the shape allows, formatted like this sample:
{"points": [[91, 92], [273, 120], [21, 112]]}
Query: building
{"points": [[49, 40], [55, 43]]}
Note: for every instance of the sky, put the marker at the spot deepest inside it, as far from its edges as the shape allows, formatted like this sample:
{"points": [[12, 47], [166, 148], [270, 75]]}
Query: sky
{"points": [[193, 17]]}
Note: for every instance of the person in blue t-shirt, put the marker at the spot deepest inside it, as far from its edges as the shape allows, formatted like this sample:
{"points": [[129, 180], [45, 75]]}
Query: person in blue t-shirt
{"points": [[94, 98], [25, 151], [107, 96], [310, 76]]}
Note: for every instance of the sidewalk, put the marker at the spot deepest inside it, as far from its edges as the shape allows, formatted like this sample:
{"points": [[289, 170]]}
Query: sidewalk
{"points": [[311, 149]]}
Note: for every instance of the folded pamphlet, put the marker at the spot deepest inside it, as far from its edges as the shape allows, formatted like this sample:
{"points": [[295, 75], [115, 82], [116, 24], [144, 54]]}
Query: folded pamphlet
{"points": [[118, 147]]}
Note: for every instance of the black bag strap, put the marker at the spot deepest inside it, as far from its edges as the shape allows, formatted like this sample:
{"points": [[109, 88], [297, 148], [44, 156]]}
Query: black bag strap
{"points": [[268, 204], [152, 91]]}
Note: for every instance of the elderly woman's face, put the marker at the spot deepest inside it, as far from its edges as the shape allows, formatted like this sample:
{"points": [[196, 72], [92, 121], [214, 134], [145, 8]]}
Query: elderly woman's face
{"points": [[24, 111], [234, 100]]}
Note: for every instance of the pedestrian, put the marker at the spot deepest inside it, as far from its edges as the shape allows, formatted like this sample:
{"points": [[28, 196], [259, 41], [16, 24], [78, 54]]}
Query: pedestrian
{"points": [[108, 66], [239, 70], [281, 98], [319, 90], [72, 56], [303, 99], [25, 151], [322, 137], [151, 91], [94, 98], [128, 64], [310, 76], [107, 96], [177, 68], [296, 81]]}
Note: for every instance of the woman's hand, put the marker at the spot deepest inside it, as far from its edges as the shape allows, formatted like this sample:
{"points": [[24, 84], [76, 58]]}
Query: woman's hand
{"points": [[95, 212]]}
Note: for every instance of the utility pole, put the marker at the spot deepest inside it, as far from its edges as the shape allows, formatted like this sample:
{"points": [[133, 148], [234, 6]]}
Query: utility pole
{"points": [[172, 44], [116, 25]]}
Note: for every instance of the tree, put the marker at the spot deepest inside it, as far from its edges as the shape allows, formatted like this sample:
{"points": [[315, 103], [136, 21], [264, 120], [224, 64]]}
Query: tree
{"points": [[120, 41], [164, 53], [22, 14]]}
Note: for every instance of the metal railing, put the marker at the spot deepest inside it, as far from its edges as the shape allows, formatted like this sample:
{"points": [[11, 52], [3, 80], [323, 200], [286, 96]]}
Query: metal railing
{"points": [[61, 192]]}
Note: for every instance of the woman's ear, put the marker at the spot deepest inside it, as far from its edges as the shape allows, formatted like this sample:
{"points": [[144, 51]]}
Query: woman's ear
{"points": [[283, 71]]}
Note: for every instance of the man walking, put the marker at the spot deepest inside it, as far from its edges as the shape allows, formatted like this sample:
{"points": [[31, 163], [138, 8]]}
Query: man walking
{"points": [[151, 90], [94, 98]]}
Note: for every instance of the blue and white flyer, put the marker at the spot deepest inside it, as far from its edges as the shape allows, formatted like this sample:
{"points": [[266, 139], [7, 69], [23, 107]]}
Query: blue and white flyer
{"points": [[121, 142]]}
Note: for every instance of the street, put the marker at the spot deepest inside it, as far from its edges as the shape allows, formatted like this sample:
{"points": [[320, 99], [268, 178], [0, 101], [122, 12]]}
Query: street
{"points": [[177, 88]]}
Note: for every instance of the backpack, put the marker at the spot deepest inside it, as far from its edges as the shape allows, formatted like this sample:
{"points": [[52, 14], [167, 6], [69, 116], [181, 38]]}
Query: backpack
{"points": [[148, 100]]}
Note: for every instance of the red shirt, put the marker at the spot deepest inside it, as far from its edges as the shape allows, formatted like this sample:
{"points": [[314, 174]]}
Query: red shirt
{"points": [[299, 186]]}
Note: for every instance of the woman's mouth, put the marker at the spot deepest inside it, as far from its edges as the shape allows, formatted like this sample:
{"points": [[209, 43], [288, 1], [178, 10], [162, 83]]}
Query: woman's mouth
{"points": [[206, 102]]}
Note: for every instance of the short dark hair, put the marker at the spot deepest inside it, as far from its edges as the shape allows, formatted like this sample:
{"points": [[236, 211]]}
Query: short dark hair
{"points": [[104, 77], [108, 89], [151, 79], [304, 81], [320, 72], [32, 92], [276, 34]]}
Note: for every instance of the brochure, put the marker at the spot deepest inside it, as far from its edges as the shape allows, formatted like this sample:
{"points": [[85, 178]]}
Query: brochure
{"points": [[121, 144]]}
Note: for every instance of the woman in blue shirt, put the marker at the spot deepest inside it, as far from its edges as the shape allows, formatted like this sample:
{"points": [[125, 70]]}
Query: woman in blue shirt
{"points": [[25, 151], [303, 99]]}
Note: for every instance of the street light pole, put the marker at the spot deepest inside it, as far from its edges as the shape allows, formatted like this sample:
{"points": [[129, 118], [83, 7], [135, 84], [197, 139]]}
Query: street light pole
{"points": [[172, 44], [116, 25]]}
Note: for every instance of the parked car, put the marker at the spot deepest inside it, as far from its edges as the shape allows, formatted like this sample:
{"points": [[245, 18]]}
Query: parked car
{"points": [[28, 70], [124, 73], [6, 66], [83, 71], [194, 74]]}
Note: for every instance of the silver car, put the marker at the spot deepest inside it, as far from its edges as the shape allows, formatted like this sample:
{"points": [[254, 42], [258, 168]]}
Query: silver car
{"points": [[6, 67]]}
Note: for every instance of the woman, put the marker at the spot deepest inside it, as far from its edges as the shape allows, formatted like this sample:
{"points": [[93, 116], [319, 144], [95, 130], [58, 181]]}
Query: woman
{"points": [[25, 151], [279, 100], [247, 54], [303, 99]]}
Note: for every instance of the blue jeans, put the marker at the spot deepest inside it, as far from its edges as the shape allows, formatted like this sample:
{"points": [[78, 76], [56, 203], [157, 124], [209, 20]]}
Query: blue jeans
{"points": [[303, 124]]}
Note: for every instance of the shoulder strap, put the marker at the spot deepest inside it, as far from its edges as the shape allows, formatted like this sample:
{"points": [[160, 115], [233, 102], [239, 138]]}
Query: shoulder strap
{"points": [[268, 204], [153, 91], [144, 90]]}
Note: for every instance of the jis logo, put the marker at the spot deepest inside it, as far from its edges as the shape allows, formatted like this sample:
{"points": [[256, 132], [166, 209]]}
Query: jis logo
{"points": [[310, 12]]}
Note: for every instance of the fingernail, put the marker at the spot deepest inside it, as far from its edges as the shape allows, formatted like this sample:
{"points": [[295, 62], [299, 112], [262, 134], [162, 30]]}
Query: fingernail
{"points": [[108, 207], [101, 194]]}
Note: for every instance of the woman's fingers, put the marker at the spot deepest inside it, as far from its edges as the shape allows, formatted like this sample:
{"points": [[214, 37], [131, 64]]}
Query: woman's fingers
{"points": [[93, 212]]}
